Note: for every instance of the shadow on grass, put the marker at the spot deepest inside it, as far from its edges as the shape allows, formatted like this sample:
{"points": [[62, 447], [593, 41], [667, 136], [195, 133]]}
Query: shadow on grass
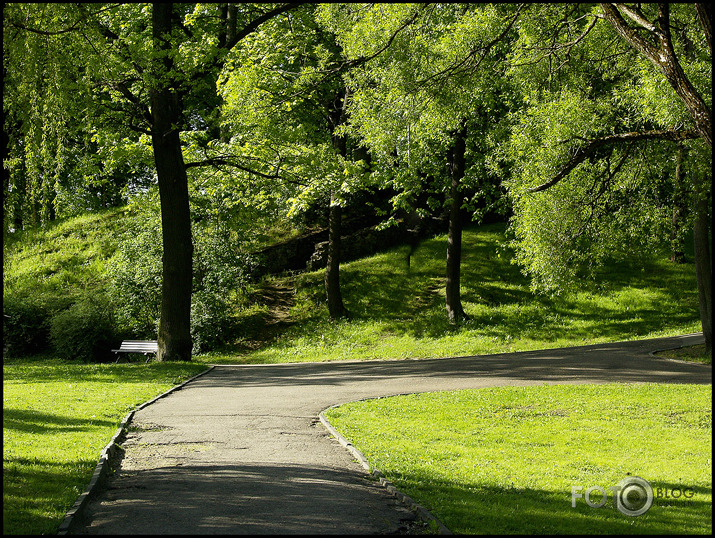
{"points": [[482, 509], [26, 420], [38, 493], [627, 298], [55, 371]]}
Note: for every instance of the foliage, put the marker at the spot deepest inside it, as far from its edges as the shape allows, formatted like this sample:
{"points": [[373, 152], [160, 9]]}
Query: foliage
{"points": [[504, 460], [423, 73], [85, 330], [221, 276], [283, 99], [67, 153], [135, 275], [584, 85]]}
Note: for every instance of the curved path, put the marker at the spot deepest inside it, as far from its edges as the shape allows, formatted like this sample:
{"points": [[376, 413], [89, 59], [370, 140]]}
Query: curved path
{"points": [[240, 450]]}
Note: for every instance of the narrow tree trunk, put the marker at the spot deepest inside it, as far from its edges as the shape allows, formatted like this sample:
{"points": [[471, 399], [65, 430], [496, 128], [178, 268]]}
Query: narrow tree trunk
{"points": [[174, 325], [454, 239], [703, 268], [677, 251], [336, 308]]}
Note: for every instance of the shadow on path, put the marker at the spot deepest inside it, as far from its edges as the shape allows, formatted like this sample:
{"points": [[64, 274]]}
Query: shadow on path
{"points": [[237, 451]]}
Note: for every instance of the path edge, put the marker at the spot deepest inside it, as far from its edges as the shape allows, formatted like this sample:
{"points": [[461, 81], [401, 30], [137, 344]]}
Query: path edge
{"points": [[424, 514], [102, 470], [682, 341]]}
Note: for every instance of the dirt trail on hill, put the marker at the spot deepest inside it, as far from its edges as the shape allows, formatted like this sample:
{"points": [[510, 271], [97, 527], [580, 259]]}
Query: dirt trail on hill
{"points": [[264, 327]]}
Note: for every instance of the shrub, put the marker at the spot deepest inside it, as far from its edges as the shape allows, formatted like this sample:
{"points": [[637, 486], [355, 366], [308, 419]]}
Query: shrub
{"points": [[135, 274], [221, 272], [25, 325], [85, 330]]}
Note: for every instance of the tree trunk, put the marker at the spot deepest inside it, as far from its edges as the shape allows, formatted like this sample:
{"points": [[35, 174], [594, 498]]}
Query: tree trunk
{"points": [[336, 308], [677, 251], [703, 268], [454, 239], [175, 322]]}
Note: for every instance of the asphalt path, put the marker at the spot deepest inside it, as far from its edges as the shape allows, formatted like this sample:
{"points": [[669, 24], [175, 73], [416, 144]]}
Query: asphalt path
{"points": [[240, 450]]}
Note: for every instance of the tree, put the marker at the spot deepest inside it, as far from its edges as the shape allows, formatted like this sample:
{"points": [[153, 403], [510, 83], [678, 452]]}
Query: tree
{"points": [[156, 63], [426, 80], [602, 122], [290, 73]]}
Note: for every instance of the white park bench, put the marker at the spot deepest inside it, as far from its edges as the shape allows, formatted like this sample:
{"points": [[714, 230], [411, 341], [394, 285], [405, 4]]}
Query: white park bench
{"points": [[147, 347]]}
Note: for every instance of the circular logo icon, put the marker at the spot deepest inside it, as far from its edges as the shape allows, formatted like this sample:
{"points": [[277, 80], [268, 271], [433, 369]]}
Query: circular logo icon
{"points": [[635, 496]]}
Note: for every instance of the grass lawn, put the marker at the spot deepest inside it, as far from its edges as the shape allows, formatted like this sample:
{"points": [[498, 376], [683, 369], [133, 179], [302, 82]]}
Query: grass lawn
{"points": [[504, 460], [398, 311], [690, 354], [57, 418]]}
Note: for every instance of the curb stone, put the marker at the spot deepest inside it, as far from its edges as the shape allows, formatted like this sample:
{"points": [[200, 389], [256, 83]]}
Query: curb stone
{"points": [[102, 470], [686, 340], [420, 510]]}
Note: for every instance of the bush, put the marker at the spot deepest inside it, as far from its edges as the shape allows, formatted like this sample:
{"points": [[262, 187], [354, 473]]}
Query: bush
{"points": [[85, 330], [135, 275], [220, 274], [25, 327]]}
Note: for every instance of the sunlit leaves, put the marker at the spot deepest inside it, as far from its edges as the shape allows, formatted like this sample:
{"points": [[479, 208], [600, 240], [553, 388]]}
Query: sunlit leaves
{"points": [[580, 81]]}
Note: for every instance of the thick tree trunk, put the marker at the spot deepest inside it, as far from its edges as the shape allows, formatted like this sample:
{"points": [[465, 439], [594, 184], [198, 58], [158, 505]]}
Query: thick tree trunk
{"points": [[336, 308], [703, 267], [454, 239], [175, 322]]}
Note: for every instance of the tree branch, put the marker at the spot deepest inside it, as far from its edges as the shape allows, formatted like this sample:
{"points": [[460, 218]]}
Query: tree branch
{"points": [[71, 28], [663, 57], [255, 23], [592, 146], [225, 160]]}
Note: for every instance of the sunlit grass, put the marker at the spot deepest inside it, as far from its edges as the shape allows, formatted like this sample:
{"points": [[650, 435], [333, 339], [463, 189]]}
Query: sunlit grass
{"points": [[504, 460], [57, 418], [398, 311]]}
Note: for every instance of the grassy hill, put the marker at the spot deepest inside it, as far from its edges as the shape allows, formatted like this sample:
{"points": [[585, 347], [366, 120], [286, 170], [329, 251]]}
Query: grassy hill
{"points": [[397, 307], [398, 310]]}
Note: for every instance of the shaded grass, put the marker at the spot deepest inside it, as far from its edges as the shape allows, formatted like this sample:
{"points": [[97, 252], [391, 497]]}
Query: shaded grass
{"points": [[504, 460], [398, 309], [57, 418], [690, 354]]}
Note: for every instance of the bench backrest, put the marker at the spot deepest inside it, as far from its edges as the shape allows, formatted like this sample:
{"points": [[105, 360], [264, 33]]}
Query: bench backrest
{"points": [[140, 346]]}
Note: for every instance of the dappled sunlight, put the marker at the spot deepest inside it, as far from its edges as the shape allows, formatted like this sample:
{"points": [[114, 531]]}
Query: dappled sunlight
{"points": [[399, 311]]}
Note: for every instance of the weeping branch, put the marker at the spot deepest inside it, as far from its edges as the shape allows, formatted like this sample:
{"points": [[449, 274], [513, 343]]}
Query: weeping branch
{"points": [[592, 146]]}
